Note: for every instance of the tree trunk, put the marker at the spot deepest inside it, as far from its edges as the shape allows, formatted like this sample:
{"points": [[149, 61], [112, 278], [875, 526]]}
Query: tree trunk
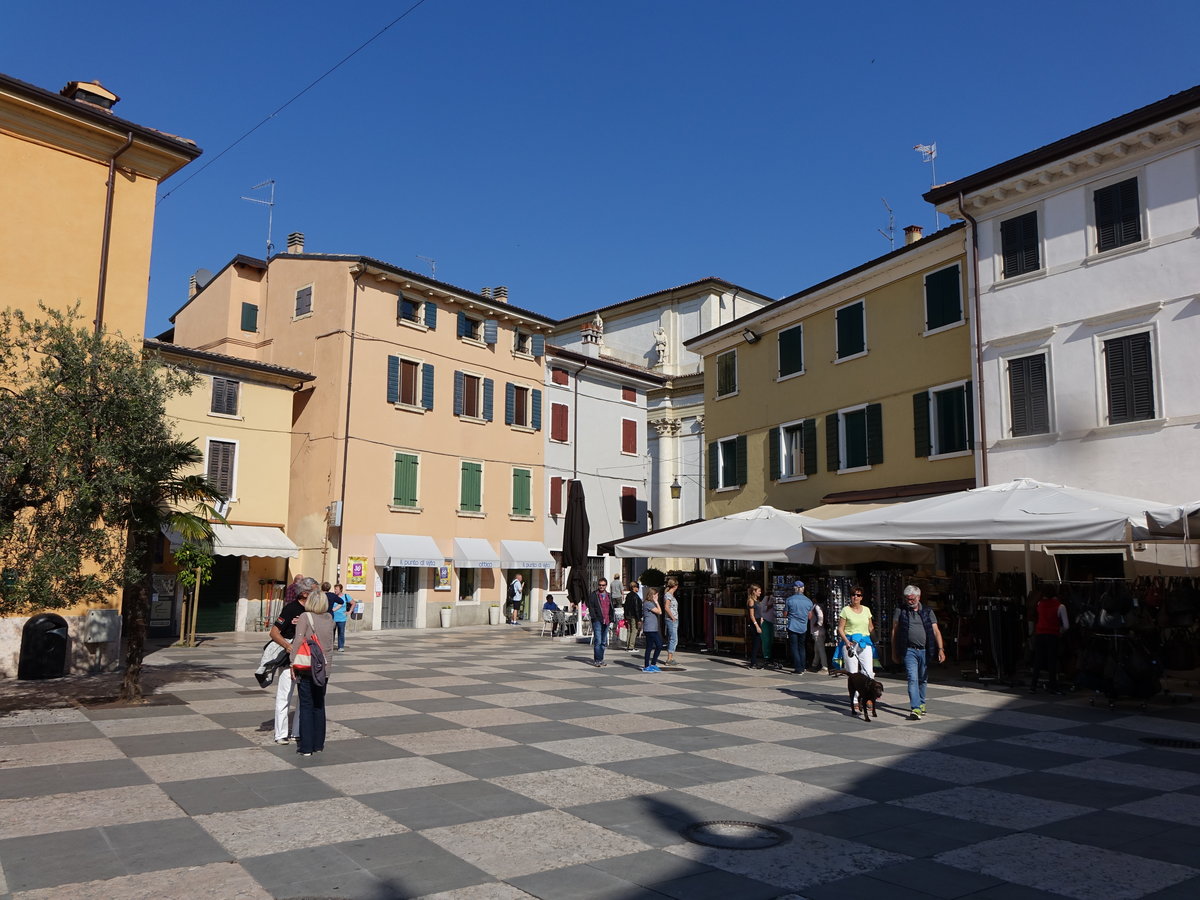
{"points": [[135, 608]]}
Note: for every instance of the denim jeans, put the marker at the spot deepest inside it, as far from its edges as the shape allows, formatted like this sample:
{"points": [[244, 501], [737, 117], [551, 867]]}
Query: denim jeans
{"points": [[599, 641], [916, 665], [653, 647], [672, 635], [796, 642], [341, 633], [311, 715]]}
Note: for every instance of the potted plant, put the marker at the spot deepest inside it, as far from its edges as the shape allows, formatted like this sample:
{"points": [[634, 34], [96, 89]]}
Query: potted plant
{"points": [[446, 612], [494, 614]]}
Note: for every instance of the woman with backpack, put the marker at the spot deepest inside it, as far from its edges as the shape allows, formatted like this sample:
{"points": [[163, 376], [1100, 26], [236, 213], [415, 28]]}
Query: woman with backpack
{"points": [[311, 679]]}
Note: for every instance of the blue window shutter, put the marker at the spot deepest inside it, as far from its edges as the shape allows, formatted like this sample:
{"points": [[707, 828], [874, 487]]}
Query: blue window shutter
{"points": [[510, 403], [536, 412], [491, 329], [489, 390], [458, 393], [406, 309], [539, 345], [464, 325], [427, 385], [393, 379], [430, 315]]}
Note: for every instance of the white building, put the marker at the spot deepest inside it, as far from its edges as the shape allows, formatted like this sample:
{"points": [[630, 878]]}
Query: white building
{"points": [[1088, 290], [649, 331]]}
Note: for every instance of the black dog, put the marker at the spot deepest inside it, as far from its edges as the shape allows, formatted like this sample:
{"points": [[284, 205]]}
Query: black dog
{"points": [[868, 689]]}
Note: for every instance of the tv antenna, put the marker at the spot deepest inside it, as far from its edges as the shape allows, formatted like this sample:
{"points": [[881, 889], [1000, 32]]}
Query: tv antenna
{"points": [[270, 205], [432, 264], [890, 234], [929, 154]]}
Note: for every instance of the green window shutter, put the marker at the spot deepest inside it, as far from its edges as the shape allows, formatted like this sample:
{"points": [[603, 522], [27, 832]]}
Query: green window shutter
{"points": [[712, 465], [874, 434], [489, 390], [404, 492], [773, 453], [520, 489], [921, 440], [427, 386], [249, 317], [943, 298], [833, 453], [471, 499], [851, 330], [810, 446], [393, 379], [727, 373], [739, 462], [791, 351]]}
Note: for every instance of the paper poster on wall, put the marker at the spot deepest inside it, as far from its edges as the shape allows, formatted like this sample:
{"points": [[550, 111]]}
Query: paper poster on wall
{"points": [[441, 580], [356, 573]]}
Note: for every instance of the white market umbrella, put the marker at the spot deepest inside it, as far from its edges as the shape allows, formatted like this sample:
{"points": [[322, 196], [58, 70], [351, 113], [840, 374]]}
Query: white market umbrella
{"points": [[767, 534]]}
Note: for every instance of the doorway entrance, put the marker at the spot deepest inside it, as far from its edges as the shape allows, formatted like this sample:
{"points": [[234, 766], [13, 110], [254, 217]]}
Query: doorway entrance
{"points": [[399, 602], [219, 598]]}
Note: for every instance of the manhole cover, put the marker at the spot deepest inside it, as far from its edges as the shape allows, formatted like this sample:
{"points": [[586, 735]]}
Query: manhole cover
{"points": [[1176, 743], [735, 835]]}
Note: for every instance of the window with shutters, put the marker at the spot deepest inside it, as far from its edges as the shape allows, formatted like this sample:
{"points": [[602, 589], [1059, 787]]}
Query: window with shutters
{"points": [[791, 352], [560, 376], [410, 383], [629, 395], [303, 302], [415, 311], [944, 427], [792, 450], [560, 422], [557, 489], [522, 343], [629, 504], [520, 406], [943, 299], [469, 399], [470, 487], [727, 463], [221, 466], [854, 438], [851, 331], [224, 396], [629, 441], [1028, 396], [1129, 378], [522, 488], [405, 481], [249, 317], [470, 327], [727, 374], [1020, 246], [1118, 215]]}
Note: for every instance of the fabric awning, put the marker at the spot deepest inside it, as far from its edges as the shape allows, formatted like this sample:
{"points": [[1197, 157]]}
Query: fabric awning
{"points": [[475, 553], [407, 550], [253, 540], [525, 555]]}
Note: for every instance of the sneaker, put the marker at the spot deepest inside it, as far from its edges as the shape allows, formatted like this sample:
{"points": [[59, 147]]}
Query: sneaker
{"points": [[921, 709], [306, 754], [651, 669], [913, 716], [917, 712], [341, 650], [283, 740], [603, 664]]}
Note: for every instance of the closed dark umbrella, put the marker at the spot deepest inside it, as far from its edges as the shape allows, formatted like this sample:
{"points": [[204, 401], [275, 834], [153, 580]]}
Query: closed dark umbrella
{"points": [[577, 535]]}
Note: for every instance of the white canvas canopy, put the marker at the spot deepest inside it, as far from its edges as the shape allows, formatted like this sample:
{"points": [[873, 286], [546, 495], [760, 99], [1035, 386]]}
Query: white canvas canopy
{"points": [[1175, 521], [767, 534]]}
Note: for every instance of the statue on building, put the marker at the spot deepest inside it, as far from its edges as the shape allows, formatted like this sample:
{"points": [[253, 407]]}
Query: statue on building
{"points": [[660, 345]]}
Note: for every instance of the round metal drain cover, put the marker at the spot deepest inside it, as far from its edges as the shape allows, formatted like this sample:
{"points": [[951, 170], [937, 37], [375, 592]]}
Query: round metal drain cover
{"points": [[1175, 743], [727, 835]]}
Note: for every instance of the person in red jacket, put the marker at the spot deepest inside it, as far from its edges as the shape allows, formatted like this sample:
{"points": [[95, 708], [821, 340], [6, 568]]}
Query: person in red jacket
{"points": [[1050, 623]]}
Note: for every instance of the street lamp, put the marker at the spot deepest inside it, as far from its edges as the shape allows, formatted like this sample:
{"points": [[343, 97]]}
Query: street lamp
{"points": [[676, 489]]}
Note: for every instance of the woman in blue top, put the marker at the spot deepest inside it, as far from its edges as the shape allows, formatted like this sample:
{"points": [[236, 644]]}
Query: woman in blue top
{"points": [[340, 605]]}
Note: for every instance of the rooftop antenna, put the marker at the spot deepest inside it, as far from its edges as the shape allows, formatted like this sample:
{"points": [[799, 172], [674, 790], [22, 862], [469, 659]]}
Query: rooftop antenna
{"points": [[929, 154], [270, 205], [890, 234], [432, 264]]}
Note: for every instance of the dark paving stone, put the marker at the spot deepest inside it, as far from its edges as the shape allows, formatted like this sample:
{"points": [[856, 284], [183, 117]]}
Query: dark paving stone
{"points": [[415, 862], [558, 712], [581, 882], [228, 793], [1184, 890], [845, 746], [449, 804], [1066, 789], [366, 749], [934, 878], [862, 886], [701, 715], [878, 784], [262, 720], [1009, 754], [71, 778], [690, 740], [1177, 760], [445, 704], [648, 867], [1168, 847], [541, 732], [854, 824], [170, 844], [378, 726], [680, 771], [476, 690], [499, 761], [138, 712], [984, 731], [66, 857], [66, 731], [180, 742], [717, 885], [1015, 892]]}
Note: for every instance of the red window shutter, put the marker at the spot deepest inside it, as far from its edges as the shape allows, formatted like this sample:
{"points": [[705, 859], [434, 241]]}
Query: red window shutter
{"points": [[559, 422], [558, 376], [629, 394], [628, 504], [628, 436], [556, 496]]}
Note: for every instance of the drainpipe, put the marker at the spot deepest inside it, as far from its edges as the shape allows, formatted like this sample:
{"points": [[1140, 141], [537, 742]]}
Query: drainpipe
{"points": [[362, 270], [979, 404], [575, 427], [110, 189]]}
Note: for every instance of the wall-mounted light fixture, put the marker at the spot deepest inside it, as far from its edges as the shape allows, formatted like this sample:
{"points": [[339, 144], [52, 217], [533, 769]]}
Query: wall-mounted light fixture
{"points": [[750, 336], [676, 489]]}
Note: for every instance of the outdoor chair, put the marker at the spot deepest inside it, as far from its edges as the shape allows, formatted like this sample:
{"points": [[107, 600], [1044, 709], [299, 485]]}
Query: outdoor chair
{"points": [[547, 621]]}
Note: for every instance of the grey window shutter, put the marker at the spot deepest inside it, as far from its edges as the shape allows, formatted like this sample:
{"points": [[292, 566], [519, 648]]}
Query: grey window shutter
{"points": [[874, 434], [969, 398], [458, 393], [491, 330], [712, 465], [430, 315], [810, 446], [833, 454], [739, 463], [921, 442], [773, 453], [427, 385], [510, 403], [489, 390], [539, 345], [464, 325], [393, 380], [535, 414]]}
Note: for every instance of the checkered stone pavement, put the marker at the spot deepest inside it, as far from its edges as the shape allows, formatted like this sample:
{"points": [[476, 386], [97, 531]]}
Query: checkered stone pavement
{"points": [[494, 763]]}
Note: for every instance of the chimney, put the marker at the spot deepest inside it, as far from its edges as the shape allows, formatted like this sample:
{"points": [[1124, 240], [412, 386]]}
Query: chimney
{"points": [[912, 234], [592, 336], [192, 287], [295, 242], [486, 293], [502, 293], [92, 93]]}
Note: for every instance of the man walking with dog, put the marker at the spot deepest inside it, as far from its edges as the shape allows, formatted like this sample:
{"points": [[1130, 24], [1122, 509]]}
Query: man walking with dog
{"points": [[799, 610], [916, 640]]}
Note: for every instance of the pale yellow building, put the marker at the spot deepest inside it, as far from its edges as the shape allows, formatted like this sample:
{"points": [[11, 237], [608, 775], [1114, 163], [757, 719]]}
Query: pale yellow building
{"points": [[78, 189], [416, 462], [854, 389]]}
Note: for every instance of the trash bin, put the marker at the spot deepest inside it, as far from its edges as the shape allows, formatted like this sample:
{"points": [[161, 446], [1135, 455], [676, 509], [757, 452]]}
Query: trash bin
{"points": [[43, 648]]}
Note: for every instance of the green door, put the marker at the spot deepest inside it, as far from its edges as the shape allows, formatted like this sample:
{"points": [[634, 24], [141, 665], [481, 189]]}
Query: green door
{"points": [[218, 598]]}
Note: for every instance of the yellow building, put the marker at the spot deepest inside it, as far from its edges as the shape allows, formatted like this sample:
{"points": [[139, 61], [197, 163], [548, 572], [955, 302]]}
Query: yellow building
{"points": [[78, 187], [416, 462], [240, 416], [854, 389]]}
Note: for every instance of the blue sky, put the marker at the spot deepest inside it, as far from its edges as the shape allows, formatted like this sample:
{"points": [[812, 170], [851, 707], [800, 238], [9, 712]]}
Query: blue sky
{"points": [[586, 153]]}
